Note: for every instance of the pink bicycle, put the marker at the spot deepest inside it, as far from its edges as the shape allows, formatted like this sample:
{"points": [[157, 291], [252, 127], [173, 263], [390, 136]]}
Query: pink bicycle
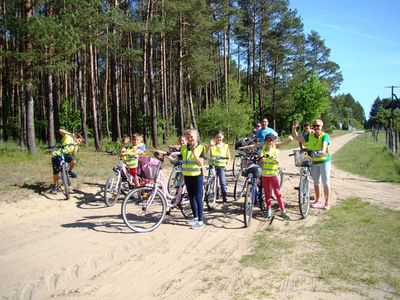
{"points": [[144, 208]]}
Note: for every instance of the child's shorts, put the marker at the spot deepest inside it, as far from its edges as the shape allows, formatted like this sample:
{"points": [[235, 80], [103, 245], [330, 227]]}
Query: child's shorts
{"points": [[133, 171]]}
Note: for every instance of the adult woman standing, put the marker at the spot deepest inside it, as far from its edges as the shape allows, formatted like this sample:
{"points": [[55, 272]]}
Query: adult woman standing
{"points": [[321, 168], [192, 169]]}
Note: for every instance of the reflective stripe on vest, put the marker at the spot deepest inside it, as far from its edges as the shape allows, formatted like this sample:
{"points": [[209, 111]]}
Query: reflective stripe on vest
{"points": [[132, 161], [189, 165], [217, 152], [315, 144], [270, 167]]}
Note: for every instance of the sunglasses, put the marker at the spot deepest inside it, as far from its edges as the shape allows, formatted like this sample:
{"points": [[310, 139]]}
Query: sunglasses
{"points": [[316, 125]]}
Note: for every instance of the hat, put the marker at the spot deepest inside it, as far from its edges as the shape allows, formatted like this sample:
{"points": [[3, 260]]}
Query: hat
{"points": [[271, 136]]}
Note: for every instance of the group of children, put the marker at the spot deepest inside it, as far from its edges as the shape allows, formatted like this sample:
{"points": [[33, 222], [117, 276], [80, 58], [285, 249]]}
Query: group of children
{"points": [[193, 154]]}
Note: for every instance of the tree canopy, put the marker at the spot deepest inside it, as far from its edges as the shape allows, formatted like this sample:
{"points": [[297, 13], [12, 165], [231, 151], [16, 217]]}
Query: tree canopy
{"points": [[109, 68]]}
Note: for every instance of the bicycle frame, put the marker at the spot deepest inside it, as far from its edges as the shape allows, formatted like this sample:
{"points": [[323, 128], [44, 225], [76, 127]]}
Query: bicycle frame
{"points": [[305, 179], [161, 185], [151, 202]]}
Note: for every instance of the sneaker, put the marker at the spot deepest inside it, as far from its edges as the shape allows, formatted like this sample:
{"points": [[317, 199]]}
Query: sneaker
{"points": [[198, 225], [326, 206], [224, 200], [72, 174], [317, 204], [267, 213], [54, 190], [192, 221], [285, 215]]}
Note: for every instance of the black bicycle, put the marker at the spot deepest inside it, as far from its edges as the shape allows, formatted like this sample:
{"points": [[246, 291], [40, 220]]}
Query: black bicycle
{"points": [[211, 184]]}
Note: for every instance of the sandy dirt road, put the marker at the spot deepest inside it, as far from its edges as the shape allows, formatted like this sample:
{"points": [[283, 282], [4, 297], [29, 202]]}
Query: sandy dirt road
{"points": [[81, 249]]}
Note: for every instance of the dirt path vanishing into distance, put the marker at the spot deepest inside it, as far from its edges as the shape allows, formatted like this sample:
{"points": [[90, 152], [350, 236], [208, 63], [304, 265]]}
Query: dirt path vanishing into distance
{"points": [[80, 249]]}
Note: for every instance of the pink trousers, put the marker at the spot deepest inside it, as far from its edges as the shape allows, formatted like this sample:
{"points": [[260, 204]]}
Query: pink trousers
{"points": [[269, 182]]}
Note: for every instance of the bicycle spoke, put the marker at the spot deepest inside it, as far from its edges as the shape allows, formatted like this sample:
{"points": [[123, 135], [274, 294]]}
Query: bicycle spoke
{"points": [[248, 205], [144, 209], [112, 189]]}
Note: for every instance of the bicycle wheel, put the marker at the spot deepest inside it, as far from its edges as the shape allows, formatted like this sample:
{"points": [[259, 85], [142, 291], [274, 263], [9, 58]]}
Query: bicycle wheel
{"points": [[236, 165], [280, 177], [185, 207], [144, 209], [248, 205], [238, 189], [64, 178], [304, 195], [174, 180], [112, 190], [211, 193]]}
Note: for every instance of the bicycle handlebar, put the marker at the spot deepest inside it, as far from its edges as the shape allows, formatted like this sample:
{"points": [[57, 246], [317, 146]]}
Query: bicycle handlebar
{"points": [[310, 153]]}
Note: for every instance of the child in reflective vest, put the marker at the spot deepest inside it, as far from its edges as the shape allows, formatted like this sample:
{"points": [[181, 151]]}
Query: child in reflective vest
{"points": [[220, 151], [131, 156], [270, 175]]}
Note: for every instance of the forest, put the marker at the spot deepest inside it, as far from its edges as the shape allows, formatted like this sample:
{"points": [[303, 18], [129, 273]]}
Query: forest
{"points": [[109, 68]]}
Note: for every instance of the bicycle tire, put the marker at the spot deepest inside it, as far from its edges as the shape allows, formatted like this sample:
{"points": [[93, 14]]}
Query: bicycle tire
{"points": [[211, 193], [144, 209], [304, 196], [184, 205], [238, 189], [248, 205], [64, 178], [281, 177], [68, 177], [112, 189], [236, 167], [174, 181]]}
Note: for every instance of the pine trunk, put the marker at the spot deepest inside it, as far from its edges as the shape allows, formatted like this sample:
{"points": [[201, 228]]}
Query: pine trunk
{"points": [[30, 104], [93, 98]]}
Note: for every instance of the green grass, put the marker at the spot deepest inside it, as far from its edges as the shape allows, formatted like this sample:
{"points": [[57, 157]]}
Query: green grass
{"points": [[357, 245], [22, 173], [360, 244], [370, 159]]}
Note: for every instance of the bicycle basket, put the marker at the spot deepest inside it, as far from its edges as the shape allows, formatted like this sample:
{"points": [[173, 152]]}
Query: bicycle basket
{"points": [[148, 167], [252, 169], [301, 158]]}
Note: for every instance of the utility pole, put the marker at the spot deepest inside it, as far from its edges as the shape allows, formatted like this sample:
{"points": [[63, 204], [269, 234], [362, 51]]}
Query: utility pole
{"points": [[393, 94]]}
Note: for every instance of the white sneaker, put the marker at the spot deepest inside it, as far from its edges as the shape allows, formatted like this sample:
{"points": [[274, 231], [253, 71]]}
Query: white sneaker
{"points": [[192, 221], [198, 225]]}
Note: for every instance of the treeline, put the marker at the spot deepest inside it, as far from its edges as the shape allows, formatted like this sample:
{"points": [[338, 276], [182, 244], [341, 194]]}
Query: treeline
{"points": [[385, 113], [108, 68]]}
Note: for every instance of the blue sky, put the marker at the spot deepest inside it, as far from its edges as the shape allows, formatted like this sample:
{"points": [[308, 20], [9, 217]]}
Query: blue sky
{"points": [[364, 38]]}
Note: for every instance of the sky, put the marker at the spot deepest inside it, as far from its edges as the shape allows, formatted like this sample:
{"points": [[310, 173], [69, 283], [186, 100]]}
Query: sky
{"points": [[364, 38]]}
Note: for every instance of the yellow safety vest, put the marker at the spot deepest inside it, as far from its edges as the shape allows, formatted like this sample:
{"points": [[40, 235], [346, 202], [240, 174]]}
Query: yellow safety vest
{"points": [[132, 161], [189, 164], [217, 152], [270, 167], [315, 144], [68, 144]]}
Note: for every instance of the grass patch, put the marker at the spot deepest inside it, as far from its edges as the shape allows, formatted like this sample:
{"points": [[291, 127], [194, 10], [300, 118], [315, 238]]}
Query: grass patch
{"points": [[360, 244], [355, 248], [370, 159], [21, 173], [268, 248]]}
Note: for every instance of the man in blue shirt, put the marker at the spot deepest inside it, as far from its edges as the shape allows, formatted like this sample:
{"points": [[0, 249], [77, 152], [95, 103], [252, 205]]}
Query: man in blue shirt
{"points": [[262, 133]]}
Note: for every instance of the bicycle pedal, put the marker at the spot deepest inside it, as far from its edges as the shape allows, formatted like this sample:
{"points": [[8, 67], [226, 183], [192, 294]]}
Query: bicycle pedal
{"points": [[296, 188]]}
